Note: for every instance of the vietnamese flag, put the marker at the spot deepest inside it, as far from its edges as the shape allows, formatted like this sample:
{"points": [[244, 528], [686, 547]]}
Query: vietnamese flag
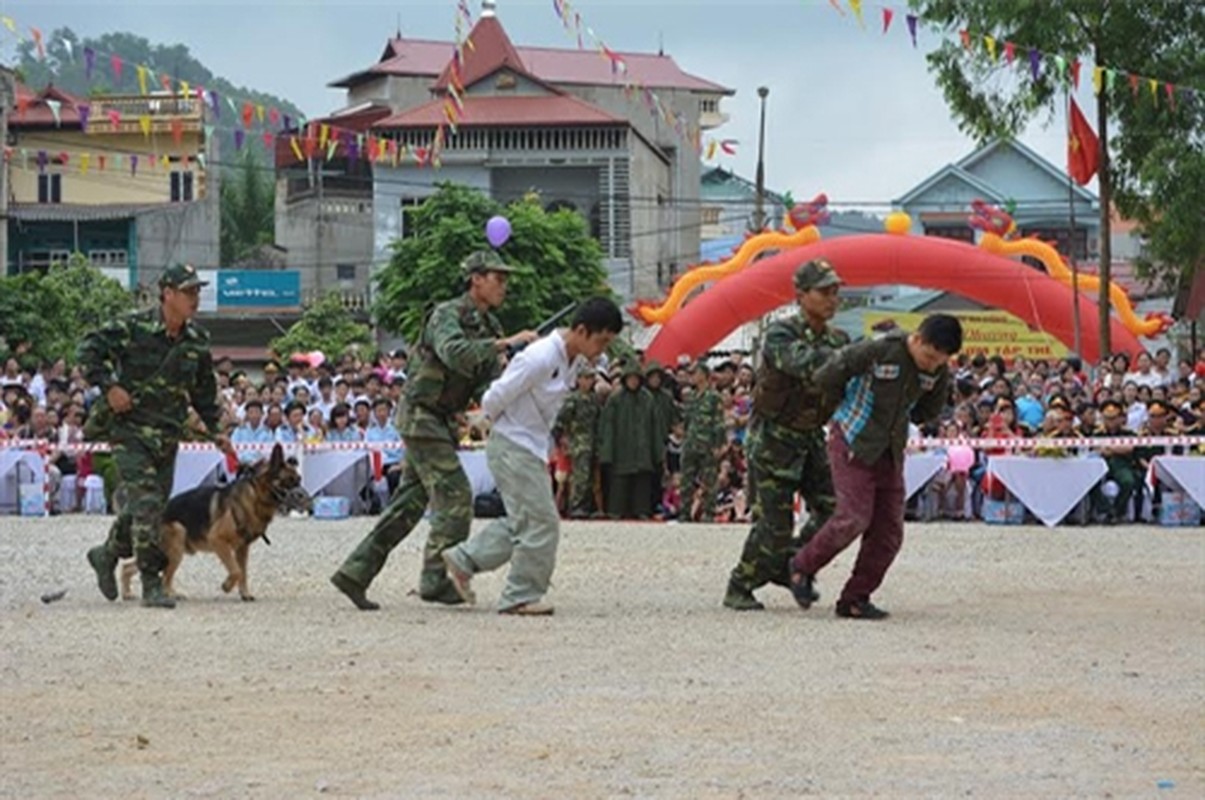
{"points": [[1083, 147]]}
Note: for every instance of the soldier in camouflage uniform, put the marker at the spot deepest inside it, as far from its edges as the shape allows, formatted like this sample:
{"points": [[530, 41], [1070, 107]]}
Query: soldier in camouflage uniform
{"points": [[462, 350], [151, 367], [702, 444], [786, 447], [579, 421], [666, 415]]}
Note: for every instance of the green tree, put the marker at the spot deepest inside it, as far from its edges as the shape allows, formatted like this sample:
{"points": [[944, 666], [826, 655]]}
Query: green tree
{"points": [[327, 326], [52, 311], [561, 262], [1152, 165], [247, 209]]}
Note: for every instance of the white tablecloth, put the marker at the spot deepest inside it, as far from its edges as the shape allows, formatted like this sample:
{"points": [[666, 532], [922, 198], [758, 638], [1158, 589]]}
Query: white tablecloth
{"points": [[196, 468], [16, 467], [1048, 487], [341, 473], [1186, 472], [919, 469], [480, 478]]}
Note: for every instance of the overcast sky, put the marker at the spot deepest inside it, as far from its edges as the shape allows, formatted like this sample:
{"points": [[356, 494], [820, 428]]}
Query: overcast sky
{"points": [[851, 112]]}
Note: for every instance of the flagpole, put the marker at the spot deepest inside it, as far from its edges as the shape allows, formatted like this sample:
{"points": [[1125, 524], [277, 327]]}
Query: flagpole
{"points": [[1071, 242]]}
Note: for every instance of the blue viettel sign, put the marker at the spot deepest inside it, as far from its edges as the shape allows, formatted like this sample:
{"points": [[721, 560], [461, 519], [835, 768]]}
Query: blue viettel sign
{"points": [[247, 288]]}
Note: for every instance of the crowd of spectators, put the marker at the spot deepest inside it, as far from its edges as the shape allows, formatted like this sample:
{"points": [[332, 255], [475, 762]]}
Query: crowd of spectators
{"points": [[349, 399]]}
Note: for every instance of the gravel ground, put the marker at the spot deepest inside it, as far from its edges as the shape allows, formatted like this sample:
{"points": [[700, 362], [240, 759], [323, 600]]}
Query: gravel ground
{"points": [[1019, 662]]}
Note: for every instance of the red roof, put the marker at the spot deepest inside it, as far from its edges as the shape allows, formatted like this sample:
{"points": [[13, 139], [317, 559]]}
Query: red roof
{"points": [[424, 57], [37, 113], [509, 110], [491, 51]]}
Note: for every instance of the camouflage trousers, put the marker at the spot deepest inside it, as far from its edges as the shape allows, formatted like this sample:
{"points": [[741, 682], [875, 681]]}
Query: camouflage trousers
{"points": [[145, 466], [431, 475], [782, 462], [698, 467], [581, 480]]}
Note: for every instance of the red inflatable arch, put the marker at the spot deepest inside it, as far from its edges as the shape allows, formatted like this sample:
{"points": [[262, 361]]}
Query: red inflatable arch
{"points": [[879, 259]]}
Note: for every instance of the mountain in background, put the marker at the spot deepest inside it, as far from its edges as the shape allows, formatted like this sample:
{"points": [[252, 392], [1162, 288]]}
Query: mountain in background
{"points": [[65, 67]]}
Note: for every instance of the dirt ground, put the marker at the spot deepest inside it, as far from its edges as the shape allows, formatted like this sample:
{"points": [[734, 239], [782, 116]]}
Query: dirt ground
{"points": [[1019, 662]]}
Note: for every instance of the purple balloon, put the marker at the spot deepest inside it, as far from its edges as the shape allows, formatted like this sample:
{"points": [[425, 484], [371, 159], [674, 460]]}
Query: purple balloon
{"points": [[497, 231]]}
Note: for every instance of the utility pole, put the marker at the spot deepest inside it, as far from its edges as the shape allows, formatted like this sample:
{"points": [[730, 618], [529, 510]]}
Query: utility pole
{"points": [[759, 213], [1106, 208], [6, 102], [1071, 255]]}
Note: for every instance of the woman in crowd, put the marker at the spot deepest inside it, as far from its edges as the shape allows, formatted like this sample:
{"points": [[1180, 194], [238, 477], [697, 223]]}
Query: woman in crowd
{"points": [[341, 429]]}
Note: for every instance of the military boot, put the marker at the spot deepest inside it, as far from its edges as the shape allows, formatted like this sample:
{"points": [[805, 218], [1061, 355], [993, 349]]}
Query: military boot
{"points": [[153, 595], [104, 563], [739, 598], [438, 589]]}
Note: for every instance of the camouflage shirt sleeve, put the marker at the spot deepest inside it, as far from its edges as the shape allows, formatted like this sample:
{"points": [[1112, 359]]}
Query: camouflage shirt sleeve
{"points": [[848, 362], [786, 352], [454, 347], [100, 352]]}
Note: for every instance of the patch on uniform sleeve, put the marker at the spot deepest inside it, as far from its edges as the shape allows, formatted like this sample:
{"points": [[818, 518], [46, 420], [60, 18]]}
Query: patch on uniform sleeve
{"points": [[886, 372]]}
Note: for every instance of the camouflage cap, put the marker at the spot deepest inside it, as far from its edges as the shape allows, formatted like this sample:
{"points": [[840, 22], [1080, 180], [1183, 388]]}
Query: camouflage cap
{"points": [[484, 261], [816, 274], [632, 368], [180, 276]]}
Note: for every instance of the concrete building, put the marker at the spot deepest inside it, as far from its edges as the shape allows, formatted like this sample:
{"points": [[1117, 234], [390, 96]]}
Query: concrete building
{"points": [[556, 121], [120, 179]]}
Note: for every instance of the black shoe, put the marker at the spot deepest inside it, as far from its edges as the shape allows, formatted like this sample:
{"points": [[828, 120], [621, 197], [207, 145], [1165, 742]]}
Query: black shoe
{"points": [[860, 609], [446, 595], [803, 589], [103, 564], [738, 598], [354, 592]]}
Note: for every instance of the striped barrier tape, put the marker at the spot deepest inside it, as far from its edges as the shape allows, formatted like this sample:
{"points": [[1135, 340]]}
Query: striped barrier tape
{"points": [[105, 447], [1043, 443]]}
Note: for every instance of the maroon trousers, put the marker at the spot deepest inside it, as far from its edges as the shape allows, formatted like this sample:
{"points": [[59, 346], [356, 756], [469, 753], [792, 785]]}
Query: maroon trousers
{"points": [[870, 504]]}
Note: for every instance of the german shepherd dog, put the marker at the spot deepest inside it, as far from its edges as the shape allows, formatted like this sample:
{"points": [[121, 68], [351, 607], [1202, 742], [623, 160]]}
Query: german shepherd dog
{"points": [[226, 520]]}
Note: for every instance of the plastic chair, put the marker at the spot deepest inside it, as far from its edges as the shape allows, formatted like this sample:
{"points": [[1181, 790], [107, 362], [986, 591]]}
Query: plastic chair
{"points": [[94, 495]]}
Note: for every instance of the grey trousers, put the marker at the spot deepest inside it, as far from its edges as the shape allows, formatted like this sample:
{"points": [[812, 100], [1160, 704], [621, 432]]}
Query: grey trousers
{"points": [[527, 536]]}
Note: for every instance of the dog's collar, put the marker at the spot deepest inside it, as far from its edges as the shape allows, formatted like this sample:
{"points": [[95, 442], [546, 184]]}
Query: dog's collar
{"points": [[249, 538]]}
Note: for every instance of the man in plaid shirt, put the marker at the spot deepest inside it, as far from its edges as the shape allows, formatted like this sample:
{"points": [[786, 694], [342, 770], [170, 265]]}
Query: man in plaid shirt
{"points": [[884, 383]]}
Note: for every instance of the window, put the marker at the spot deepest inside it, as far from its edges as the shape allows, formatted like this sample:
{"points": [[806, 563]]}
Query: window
{"points": [[1061, 239], [709, 105], [108, 258], [345, 272], [409, 225], [50, 188], [181, 187], [961, 233], [711, 215]]}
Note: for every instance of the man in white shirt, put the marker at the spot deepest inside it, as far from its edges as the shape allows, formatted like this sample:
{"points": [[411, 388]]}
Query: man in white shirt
{"points": [[523, 404], [253, 431]]}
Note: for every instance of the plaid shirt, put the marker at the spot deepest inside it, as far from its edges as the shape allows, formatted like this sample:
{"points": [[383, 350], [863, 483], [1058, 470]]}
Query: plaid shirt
{"points": [[882, 391]]}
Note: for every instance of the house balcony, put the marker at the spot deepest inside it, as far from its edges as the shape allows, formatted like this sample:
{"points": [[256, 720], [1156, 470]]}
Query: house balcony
{"points": [[161, 109], [712, 119]]}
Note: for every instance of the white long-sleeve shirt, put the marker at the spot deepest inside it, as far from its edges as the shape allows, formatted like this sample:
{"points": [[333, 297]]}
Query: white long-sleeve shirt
{"points": [[524, 401]]}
